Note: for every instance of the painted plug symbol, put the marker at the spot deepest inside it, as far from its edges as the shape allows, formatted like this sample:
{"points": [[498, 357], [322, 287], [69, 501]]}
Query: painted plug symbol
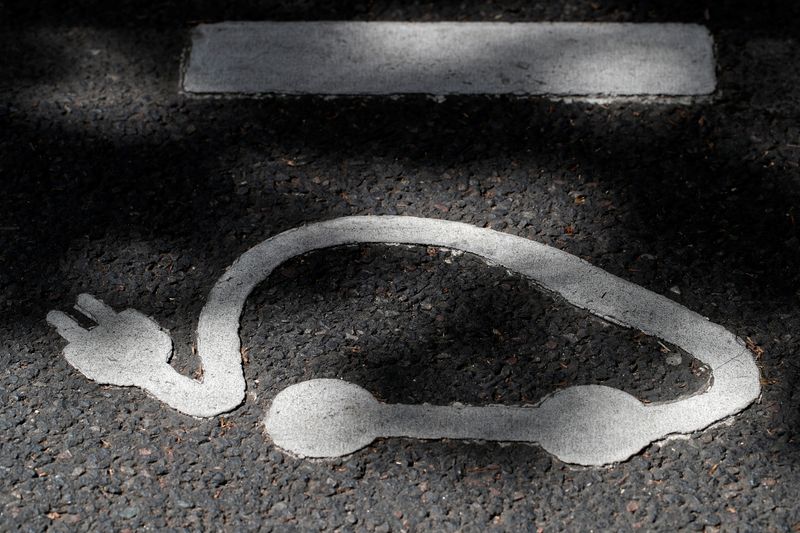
{"points": [[123, 349]]}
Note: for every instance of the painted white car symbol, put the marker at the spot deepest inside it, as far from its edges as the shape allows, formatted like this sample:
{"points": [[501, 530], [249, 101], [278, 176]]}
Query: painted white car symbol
{"points": [[588, 425]]}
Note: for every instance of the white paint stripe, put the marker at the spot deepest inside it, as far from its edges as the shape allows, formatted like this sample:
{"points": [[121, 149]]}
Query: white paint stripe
{"points": [[441, 58], [589, 425]]}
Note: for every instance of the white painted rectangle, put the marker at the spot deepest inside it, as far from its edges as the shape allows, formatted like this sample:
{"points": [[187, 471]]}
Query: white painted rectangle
{"points": [[443, 58]]}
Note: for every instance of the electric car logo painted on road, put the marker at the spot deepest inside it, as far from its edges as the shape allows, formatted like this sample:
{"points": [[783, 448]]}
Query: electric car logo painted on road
{"points": [[588, 424]]}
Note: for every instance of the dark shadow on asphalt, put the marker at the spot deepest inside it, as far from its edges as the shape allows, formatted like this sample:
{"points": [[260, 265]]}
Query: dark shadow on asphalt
{"points": [[681, 189], [769, 16]]}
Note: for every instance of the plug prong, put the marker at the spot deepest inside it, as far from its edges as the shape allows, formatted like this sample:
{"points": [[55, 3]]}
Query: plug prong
{"points": [[65, 325], [95, 309]]}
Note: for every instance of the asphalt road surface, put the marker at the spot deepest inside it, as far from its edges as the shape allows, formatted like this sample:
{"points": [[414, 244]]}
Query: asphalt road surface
{"points": [[114, 183]]}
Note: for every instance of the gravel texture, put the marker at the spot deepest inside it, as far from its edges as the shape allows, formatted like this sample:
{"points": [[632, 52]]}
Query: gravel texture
{"points": [[114, 184]]}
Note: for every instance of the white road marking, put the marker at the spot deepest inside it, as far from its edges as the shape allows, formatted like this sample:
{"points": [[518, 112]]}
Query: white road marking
{"points": [[589, 425], [443, 58]]}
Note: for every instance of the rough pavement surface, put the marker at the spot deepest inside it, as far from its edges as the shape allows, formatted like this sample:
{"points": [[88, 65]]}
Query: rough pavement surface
{"points": [[114, 184]]}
